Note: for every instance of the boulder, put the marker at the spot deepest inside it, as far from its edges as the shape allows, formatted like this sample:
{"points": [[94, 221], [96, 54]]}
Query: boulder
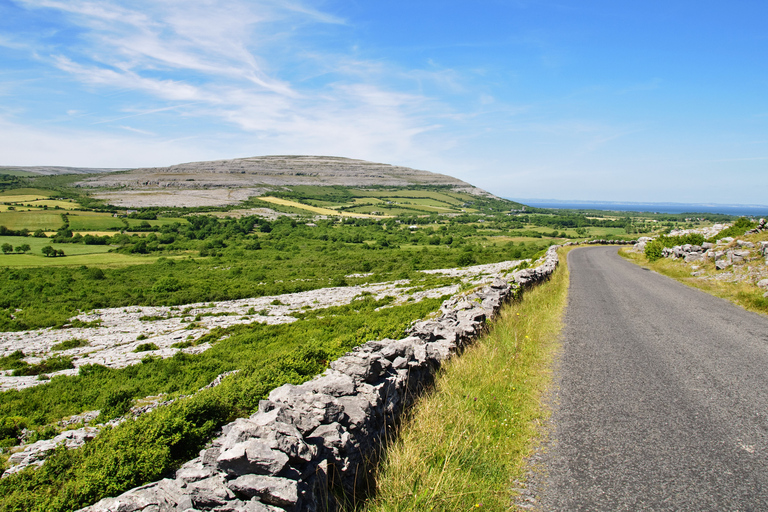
{"points": [[282, 492], [253, 456]]}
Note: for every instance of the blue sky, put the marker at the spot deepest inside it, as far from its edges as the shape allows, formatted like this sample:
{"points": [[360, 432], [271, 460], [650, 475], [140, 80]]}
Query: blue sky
{"points": [[590, 99]]}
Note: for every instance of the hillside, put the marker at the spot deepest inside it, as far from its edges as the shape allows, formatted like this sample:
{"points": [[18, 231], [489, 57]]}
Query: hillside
{"points": [[222, 182]]}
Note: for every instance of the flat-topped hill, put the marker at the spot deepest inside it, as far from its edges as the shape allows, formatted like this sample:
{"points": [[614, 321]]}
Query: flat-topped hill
{"points": [[231, 181]]}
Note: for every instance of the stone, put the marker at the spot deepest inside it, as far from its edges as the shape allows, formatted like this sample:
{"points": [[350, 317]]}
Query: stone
{"points": [[273, 490], [332, 436], [763, 283], [738, 257], [193, 471], [722, 264], [253, 456], [286, 438], [694, 256], [237, 432], [334, 383], [357, 410], [209, 493]]}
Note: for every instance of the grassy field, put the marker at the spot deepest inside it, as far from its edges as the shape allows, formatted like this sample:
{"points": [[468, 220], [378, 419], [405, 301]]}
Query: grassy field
{"points": [[465, 444], [32, 220], [75, 254], [36, 193], [301, 206], [93, 221]]}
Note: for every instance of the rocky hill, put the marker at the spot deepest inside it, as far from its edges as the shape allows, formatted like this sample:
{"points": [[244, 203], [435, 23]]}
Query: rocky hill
{"points": [[231, 181]]}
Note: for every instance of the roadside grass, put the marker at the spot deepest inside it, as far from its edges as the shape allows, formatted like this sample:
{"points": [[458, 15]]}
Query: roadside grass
{"points": [[744, 294], [464, 444]]}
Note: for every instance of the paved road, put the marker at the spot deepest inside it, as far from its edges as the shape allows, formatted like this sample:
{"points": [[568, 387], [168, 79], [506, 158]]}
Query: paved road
{"points": [[661, 400]]}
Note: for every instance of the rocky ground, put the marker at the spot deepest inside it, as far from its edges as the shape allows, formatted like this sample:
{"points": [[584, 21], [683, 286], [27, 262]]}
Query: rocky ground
{"points": [[122, 330], [732, 260], [113, 343]]}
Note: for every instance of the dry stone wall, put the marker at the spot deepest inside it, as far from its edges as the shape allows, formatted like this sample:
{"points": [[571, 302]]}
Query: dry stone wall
{"points": [[312, 442]]}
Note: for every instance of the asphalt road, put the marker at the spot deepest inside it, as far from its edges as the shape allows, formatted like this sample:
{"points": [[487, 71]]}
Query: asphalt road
{"points": [[661, 396]]}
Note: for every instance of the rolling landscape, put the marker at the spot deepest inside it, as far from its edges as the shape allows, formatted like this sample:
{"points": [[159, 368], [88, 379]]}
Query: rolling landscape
{"points": [[115, 303], [332, 256]]}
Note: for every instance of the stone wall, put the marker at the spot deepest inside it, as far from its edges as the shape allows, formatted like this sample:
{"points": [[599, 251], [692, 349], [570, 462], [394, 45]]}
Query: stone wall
{"points": [[308, 444]]}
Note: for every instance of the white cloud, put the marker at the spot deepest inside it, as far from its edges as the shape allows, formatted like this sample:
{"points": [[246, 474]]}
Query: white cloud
{"points": [[137, 130]]}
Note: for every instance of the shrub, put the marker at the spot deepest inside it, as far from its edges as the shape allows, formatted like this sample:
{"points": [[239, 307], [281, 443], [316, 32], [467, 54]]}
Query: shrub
{"points": [[12, 361], [738, 229], [68, 344], [145, 347], [52, 364], [653, 250]]}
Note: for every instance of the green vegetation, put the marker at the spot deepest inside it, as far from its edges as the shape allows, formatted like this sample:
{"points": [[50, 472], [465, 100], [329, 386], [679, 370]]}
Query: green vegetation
{"points": [[464, 444], [175, 256], [738, 229], [145, 449], [52, 364], [70, 344], [653, 249]]}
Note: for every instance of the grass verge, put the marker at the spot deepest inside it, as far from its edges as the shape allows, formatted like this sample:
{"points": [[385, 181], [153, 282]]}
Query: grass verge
{"points": [[463, 445], [744, 294]]}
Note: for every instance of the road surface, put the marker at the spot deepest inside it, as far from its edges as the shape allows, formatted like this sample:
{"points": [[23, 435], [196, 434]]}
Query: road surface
{"points": [[661, 396]]}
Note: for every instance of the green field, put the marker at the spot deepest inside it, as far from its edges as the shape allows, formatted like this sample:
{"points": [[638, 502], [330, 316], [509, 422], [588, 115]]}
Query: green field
{"points": [[32, 220], [37, 193], [94, 221]]}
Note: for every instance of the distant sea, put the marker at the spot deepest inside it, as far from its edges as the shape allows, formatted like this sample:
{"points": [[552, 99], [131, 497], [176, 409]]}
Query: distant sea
{"points": [[749, 210]]}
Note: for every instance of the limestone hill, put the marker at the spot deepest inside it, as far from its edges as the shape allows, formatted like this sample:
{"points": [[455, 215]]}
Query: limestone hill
{"points": [[222, 182]]}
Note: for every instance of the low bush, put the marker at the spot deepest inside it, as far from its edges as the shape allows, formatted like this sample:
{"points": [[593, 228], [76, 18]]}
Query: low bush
{"points": [[69, 344], [50, 365], [738, 229]]}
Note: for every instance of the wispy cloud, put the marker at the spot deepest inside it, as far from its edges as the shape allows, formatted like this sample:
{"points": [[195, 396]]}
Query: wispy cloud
{"points": [[137, 130], [224, 60]]}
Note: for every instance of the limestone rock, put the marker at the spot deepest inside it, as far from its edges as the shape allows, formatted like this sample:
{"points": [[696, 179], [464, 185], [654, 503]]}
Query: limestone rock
{"points": [[273, 490]]}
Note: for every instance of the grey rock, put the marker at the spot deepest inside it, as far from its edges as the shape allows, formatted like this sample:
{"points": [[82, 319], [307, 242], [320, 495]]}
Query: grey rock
{"points": [[763, 283], [253, 456], [193, 471], [287, 439], [357, 410], [334, 383], [209, 493], [722, 264], [694, 256], [273, 490]]}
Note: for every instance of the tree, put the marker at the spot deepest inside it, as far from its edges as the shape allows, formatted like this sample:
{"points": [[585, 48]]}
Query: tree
{"points": [[23, 248], [6, 248], [49, 251]]}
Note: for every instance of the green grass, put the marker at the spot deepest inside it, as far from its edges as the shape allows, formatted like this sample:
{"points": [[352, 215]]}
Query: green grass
{"points": [[32, 220], [75, 254], [37, 192], [144, 450], [464, 444], [93, 221]]}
